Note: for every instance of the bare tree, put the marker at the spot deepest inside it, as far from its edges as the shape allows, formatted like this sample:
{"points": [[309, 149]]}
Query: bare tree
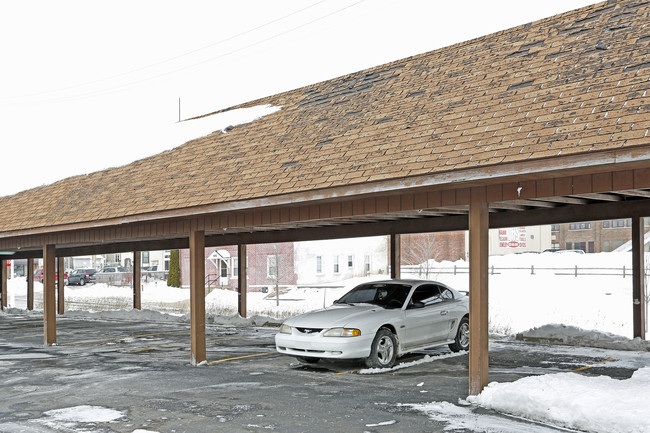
{"points": [[419, 249]]}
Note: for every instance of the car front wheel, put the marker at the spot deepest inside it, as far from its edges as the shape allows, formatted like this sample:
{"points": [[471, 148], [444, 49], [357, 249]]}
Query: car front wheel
{"points": [[383, 351], [82, 282], [461, 342]]}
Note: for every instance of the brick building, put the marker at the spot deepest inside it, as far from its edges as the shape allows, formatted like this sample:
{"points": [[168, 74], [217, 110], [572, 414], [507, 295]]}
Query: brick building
{"points": [[418, 248], [594, 236], [268, 264]]}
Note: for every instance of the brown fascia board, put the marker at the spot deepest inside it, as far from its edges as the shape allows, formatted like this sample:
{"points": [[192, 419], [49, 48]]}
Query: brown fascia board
{"points": [[586, 163]]}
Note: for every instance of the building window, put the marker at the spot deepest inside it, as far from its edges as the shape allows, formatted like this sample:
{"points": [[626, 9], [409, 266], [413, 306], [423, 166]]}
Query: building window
{"points": [[605, 224], [319, 265], [555, 227], [606, 247], [350, 262], [118, 258], [579, 226], [628, 222], [336, 264], [592, 247], [617, 224], [271, 266], [145, 257], [235, 267], [167, 257], [366, 264], [569, 246]]}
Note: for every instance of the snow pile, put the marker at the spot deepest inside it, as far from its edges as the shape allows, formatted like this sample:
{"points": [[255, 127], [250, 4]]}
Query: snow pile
{"points": [[574, 336], [70, 418], [426, 359], [594, 404]]}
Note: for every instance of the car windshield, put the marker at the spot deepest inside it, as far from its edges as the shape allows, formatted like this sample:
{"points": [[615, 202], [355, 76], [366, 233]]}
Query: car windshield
{"points": [[387, 295]]}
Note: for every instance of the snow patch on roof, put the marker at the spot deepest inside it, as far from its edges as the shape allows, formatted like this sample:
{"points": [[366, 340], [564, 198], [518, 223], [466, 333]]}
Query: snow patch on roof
{"points": [[223, 121]]}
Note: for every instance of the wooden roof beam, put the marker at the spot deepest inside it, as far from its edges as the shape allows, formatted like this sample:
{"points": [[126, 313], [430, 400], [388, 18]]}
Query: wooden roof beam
{"points": [[599, 196]]}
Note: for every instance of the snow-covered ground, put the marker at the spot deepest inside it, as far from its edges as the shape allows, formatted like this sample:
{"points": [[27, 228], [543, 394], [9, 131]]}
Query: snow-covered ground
{"points": [[541, 299]]}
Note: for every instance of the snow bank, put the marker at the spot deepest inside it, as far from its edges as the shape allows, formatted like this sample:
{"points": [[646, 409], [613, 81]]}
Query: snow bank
{"points": [[594, 404], [575, 336]]}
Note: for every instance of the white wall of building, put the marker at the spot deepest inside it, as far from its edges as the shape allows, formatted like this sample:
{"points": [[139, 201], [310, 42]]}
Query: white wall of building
{"points": [[340, 259], [516, 240]]}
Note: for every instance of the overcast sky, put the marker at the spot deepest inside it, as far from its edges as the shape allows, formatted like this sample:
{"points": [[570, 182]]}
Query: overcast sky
{"points": [[87, 85]]}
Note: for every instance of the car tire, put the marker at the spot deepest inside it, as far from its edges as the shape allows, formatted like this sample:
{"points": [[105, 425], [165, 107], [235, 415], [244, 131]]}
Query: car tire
{"points": [[383, 351], [308, 359], [461, 342], [82, 281]]}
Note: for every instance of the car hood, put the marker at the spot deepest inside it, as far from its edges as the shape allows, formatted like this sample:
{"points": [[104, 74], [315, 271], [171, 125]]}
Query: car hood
{"points": [[338, 315]]}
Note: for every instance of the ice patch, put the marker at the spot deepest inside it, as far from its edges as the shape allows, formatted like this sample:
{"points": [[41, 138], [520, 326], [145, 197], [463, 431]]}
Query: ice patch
{"points": [[464, 418], [391, 422]]}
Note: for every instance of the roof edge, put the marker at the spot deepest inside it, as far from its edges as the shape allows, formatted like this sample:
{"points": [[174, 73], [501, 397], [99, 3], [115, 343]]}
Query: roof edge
{"points": [[608, 160]]}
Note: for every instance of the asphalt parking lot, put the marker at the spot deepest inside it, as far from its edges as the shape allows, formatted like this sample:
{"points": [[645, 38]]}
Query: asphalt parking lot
{"points": [[141, 370]]}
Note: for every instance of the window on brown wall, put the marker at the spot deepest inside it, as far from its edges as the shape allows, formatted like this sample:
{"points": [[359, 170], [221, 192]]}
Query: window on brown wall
{"points": [[592, 247]]}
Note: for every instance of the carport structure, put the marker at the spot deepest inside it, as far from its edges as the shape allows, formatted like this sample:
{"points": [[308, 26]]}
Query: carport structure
{"points": [[543, 123]]}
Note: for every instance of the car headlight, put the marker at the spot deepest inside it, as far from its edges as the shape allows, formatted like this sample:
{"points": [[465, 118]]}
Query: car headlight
{"points": [[342, 332], [285, 329]]}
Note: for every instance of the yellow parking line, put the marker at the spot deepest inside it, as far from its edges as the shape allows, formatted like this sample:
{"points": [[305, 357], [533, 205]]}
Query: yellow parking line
{"points": [[240, 357], [345, 372], [594, 365], [120, 338]]}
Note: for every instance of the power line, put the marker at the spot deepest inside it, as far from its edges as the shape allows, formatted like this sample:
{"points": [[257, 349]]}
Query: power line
{"points": [[171, 59], [123, 86]]}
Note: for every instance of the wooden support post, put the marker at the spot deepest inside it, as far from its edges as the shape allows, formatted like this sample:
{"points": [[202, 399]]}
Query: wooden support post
{"points": [[137, 280], [49, 309], [638, 273], [3, 284], [242, 283], [197, 296], [60, 285], [478, 284], [30, 284], [395, 256]]}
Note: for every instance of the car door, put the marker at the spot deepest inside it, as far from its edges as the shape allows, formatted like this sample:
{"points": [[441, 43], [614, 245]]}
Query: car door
{"points": [[425, 317]]}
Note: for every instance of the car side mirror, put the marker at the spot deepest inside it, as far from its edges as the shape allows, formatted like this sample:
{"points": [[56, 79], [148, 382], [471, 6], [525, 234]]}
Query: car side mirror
{"points": [[416, 304]]}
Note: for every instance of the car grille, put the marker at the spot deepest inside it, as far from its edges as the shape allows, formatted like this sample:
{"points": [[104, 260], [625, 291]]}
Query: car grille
{"points": [[309, 330]]}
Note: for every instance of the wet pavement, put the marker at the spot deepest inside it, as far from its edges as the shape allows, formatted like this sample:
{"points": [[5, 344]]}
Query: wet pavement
{"points": [[142, 371]]}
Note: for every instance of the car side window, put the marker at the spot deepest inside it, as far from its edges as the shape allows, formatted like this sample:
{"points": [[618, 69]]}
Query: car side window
{"points": [[446, 294], [428, 294]]}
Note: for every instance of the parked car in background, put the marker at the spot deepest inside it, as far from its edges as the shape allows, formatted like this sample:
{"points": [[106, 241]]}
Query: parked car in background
{"points": [[378, 322], [113, 269], [38, 276], [81, 276], [114, 275]]}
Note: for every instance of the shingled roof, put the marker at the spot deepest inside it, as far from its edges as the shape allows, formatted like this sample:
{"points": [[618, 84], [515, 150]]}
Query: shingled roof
{"points": [[575, 83]]}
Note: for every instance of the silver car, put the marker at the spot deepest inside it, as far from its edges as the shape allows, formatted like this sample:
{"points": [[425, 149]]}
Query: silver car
{"points": [[380, 321]]}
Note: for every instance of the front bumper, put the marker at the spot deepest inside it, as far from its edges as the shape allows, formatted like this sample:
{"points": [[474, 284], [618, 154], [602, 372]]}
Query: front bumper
{"points": [[317, 346]]}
